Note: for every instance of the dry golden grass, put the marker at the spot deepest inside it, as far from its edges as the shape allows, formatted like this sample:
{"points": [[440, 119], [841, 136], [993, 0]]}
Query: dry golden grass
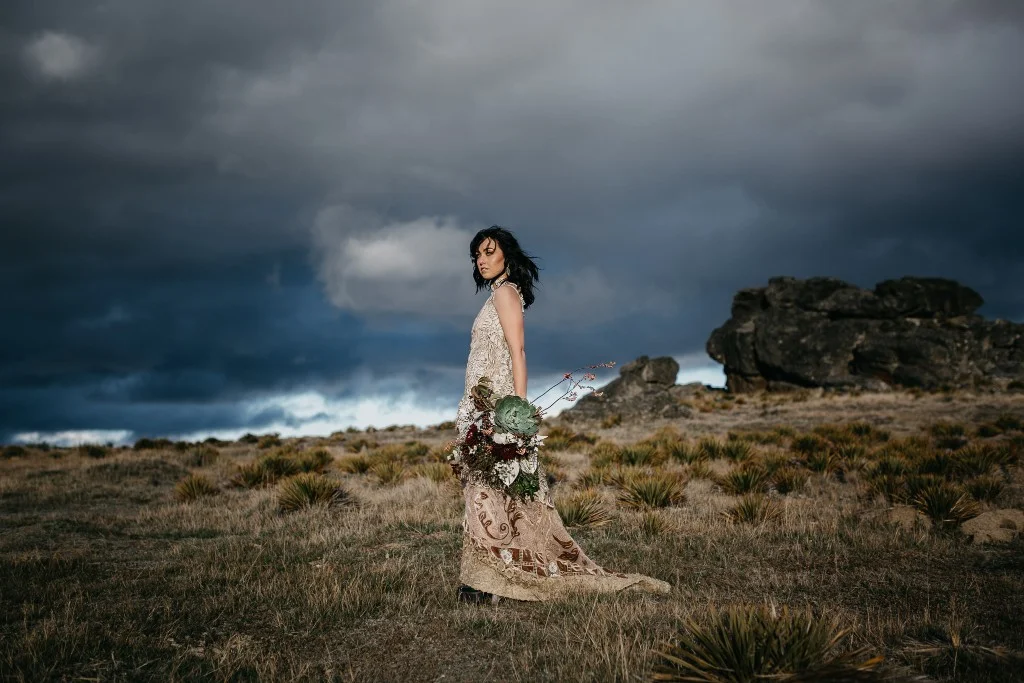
{"points": [[105, 575]]}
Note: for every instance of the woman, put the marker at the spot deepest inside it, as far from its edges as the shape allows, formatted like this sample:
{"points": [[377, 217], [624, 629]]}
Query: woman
{"points": [[511, 549]]}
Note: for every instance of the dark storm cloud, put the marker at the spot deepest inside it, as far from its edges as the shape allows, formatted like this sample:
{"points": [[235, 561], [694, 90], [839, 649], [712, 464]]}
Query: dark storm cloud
{"points": [[161, 162]]}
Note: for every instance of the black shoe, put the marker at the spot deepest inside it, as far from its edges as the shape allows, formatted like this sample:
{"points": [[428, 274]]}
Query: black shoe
{"points": [[475, 597]]}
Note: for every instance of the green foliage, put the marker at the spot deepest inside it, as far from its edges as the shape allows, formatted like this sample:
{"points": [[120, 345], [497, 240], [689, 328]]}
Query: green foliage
{"points": [[754, 508], [683, 452], [651, 491], [309, 489], [741, 644], [248, 438], [583, 509], [652, 524], [639, 455], [525, 486], [193, 487]]}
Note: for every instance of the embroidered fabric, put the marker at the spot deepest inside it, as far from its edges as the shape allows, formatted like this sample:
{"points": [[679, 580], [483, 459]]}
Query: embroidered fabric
{"points": [[516, 550]]}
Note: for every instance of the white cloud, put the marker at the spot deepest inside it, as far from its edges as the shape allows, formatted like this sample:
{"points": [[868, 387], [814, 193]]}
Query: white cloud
{"points": [[415, 267], [74, 437], [59, 56]]}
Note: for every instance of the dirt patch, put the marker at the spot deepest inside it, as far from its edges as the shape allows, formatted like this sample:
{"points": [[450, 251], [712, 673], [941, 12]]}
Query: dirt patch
{"points": [[997, 526]]}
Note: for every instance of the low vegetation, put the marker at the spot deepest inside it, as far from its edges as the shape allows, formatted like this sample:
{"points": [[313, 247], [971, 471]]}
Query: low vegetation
{"points": [[806, 537]]}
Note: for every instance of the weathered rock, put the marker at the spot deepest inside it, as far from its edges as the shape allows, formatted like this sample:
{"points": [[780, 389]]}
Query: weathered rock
{"points": [[823, 332], [645, 388], [997, 526]]}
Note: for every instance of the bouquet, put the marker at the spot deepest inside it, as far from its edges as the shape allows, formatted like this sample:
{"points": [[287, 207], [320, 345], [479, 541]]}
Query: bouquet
{"points": [[501, 445]]}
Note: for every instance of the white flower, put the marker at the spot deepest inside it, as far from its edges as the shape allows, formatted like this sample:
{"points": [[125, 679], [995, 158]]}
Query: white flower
{"points": [[506, 555], [507, 471], [503, 437], [553, 568], [529, 463]]}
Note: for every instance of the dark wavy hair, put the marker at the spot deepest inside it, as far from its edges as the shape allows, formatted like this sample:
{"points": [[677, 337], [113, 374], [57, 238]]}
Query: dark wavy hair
{"points": [[520, 266]]}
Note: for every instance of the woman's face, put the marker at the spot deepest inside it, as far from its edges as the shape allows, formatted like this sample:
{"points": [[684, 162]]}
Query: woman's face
{"points": [[490, 260]]}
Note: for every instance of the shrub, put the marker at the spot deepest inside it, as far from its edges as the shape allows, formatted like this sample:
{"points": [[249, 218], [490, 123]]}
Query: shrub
{"points": [[651, 491], [744, 480], [583, 509], [307, 490], [748, 643], [889, 465], [248, 438], [946, 504], [445, 426], [193, 487], [152, 444], [93, 450], [14, 451], [1008, 422], [277, 465], [939, 463], [987, 429], [269, 441], [754, 508], [978, 459]]}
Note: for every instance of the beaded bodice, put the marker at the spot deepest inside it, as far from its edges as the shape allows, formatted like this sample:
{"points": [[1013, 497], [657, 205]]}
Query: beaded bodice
{"points": [[488, 355]]}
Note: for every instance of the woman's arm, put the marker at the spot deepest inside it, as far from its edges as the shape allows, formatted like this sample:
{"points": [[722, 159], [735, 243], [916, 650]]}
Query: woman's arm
{"points": [[510, 315]]}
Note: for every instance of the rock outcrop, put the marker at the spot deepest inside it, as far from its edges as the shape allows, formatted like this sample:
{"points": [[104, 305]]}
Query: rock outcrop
{"points": [[645, 388], [823, 332]]}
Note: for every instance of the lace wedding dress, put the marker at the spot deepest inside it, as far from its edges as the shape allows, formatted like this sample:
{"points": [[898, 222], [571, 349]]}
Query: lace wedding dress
{"points": [[511, 549]]}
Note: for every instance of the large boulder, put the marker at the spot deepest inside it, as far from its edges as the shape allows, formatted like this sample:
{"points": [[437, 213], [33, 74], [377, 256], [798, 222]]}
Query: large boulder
{"points": [[823, 332], [645, 388]]}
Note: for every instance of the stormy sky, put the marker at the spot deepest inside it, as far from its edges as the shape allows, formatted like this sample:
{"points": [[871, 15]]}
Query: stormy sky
{"points": [[244, 215]]}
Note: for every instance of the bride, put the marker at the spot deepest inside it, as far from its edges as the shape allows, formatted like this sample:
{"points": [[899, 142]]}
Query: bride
{"points": [[512, 549]]}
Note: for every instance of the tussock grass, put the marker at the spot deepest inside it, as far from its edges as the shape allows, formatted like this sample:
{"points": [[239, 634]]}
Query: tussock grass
{"points": [[193, 487], [754, 508], [310, 489], [583, 509], [788, 480], [744, 480], [389, 472], [947, 505], [434, 471], [651, 491], [760, 642], [202, 456]]}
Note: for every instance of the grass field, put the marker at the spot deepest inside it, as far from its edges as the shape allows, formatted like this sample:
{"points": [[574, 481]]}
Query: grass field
{"points": [[336, 558]]}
